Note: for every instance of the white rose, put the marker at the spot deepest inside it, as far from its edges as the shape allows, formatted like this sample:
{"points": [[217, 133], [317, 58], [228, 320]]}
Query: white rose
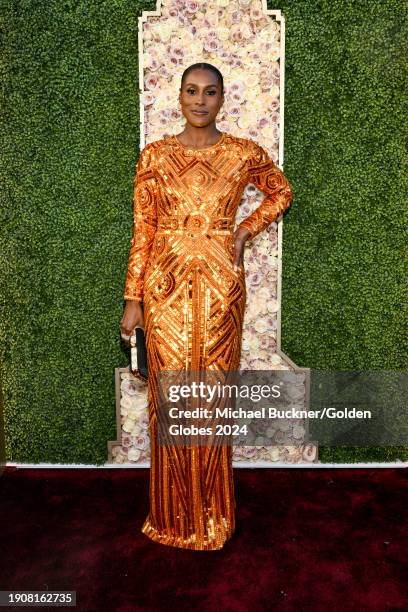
{"points": [[139, 401], [273, 306], [268, 133], [164, 31], [258, 364], [261, 326], [270, 432], [136, 413], [125, 403], [290, 451], [245, 344], [137, 430], [186, 36], [155, 119], [223, 33], [251, 94], [285, 425], [260, 304], [245, 121], [128, 425], [298, 431], [273, 453], [274, 91], [196, 47], [264, 293], [125, 412], [266, 34], [134, 454], [246, 31], [251, 80], [253, 343], [275, 359]]}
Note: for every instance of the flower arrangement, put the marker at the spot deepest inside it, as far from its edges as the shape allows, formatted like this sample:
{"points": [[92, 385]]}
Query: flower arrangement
{"points": [[135, 438]]}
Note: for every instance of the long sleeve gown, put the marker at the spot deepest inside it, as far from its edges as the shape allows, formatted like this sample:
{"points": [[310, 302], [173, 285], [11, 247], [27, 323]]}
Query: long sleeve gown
{"points": [[181, 266]]}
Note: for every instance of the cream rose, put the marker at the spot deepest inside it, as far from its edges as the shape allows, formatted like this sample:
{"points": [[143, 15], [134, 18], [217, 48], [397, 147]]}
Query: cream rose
{"points": [[251, 80], [137, 430], [125, 403], [136, 412], [273, 305], [134, 454], [253, 343], [128, 425], [272, 453], [261, 326], [298, 431], [276, 359], [163, 31]]}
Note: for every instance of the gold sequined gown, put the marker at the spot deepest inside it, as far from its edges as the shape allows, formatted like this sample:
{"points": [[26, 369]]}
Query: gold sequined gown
{"points": [[181, 266]]}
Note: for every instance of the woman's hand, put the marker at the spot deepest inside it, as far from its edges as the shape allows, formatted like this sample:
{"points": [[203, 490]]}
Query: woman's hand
{"points": [[240, 236], [132, 317]]}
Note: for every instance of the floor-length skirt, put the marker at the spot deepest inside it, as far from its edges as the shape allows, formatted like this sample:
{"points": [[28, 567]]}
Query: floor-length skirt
{"points": [[194, 309]]}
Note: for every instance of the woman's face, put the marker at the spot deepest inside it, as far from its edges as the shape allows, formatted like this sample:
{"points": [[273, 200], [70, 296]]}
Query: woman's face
{"points": [[200, 97]]}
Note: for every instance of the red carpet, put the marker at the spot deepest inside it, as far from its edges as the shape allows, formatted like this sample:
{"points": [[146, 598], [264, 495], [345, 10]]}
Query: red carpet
{"points": [[306, 539]]}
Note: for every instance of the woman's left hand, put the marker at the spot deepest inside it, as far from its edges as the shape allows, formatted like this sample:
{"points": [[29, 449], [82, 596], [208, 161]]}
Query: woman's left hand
{"points": [[240, 237]]}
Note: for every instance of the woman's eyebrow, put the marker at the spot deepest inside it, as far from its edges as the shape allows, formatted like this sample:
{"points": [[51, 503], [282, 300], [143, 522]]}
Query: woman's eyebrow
{"points": [[195, 85]]}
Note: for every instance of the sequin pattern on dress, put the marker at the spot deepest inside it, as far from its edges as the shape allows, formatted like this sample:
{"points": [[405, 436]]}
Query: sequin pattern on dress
{"points": [[181, 266]]}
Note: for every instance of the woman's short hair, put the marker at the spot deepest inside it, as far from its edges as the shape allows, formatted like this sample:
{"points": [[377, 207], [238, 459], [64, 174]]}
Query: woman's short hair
{"points": [[203, 66]]}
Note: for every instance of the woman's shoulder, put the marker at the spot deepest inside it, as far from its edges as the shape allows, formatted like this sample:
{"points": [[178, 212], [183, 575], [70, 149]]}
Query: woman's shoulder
{"points": [[152, 146], [245, 147], [156, 144], [149, 153], [156, 148]]}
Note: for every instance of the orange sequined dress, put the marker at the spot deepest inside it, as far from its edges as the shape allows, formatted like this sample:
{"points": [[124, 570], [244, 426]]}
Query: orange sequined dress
{"points": [[181, 266]]}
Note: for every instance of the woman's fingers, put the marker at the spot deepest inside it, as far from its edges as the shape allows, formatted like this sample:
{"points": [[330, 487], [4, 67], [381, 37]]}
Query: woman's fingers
{"points": [[132, 317], [238, 257], [240, 237], [128, 330], [239, 249], [125, 333]]}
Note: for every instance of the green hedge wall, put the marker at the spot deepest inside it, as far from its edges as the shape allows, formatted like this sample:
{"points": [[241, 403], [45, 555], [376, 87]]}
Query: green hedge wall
{"points": [[70, 144]]}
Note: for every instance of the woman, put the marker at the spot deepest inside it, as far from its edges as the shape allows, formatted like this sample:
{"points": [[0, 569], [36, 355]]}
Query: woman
{"points": [[186, 265]]}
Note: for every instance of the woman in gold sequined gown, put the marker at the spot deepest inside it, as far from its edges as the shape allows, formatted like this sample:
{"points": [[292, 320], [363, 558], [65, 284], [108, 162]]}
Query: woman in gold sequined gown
{"points": [[185, 264]]}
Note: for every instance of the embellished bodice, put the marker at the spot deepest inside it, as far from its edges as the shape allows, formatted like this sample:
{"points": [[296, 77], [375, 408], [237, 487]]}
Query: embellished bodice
{"points": [[186, 197]]}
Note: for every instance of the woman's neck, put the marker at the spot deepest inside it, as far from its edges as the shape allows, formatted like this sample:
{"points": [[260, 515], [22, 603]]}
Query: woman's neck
{"points": [[199, 137]]}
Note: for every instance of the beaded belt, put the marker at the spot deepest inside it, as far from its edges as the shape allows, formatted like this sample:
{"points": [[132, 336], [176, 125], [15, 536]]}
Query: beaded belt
{"points": [[195, 222]]}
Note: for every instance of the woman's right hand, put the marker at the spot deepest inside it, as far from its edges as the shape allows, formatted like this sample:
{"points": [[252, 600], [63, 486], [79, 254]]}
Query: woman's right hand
{"points": [[132, 317], [240, 236]]}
